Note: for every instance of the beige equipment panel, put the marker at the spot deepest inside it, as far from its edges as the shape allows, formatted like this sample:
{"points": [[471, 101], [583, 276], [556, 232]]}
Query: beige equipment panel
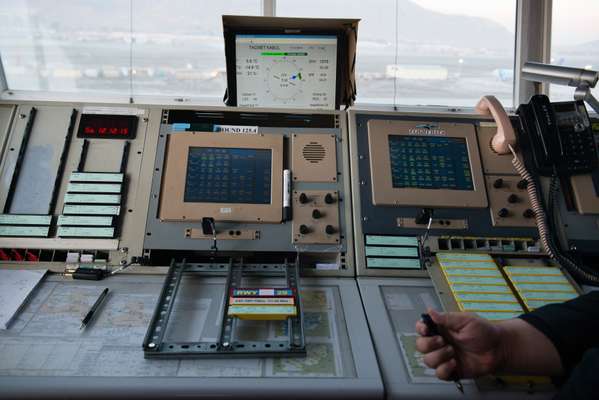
{"points": [[587, 201], [314, 158], [172, 204], [383, 192]]}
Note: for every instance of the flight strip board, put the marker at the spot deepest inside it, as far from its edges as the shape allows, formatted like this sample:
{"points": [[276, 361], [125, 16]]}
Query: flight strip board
{"points": [[44, 351], [392, 308]]}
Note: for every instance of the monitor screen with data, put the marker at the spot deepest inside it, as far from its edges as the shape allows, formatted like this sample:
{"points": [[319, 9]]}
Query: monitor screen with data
{"points": [[288, 71], [430, 162], [228, 175]]}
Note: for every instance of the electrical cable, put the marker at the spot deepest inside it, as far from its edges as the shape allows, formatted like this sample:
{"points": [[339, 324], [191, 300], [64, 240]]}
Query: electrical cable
{"points": [[589, 277]]}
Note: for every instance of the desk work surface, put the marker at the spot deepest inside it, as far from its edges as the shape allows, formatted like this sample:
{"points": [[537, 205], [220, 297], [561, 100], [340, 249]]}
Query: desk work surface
{"points": [[392, 307], [45, 339]]}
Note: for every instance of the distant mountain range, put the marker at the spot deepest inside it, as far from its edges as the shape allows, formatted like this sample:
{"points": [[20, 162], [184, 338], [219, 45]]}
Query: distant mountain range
{"points": [[416, 24]]}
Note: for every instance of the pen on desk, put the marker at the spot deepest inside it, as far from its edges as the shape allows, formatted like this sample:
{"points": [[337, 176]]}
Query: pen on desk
{"points": [[90, 314], [286, 195], [433, 330]]}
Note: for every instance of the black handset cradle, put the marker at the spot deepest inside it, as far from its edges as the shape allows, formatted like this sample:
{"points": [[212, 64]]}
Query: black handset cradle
{"points": [[560, 138]]}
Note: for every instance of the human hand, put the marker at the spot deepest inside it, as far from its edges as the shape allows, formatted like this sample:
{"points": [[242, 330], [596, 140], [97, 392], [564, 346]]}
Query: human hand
{"points": [[469, 346]]}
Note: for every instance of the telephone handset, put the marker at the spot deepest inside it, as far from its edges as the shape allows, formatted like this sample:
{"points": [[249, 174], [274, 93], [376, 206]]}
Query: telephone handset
{"points": [[560, 137]]}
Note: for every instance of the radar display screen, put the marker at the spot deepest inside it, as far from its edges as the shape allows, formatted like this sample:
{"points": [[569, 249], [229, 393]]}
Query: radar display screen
{"points": [[286, 71], [228, 175], [430, 162]]}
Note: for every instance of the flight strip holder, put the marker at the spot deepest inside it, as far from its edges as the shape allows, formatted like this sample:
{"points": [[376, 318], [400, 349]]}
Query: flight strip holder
{"points": [[227, 345]]}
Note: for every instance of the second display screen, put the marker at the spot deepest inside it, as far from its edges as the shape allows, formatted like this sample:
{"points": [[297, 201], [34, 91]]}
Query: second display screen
{"points": [[430, 162], [228, 175]]}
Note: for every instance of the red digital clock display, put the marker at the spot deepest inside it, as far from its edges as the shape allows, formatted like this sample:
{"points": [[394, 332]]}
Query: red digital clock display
{"points": [[102, 126]]}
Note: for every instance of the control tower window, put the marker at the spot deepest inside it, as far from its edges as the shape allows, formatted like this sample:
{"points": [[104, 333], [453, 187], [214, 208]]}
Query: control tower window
{"points": [[118, 48], [574, 40], [448, 52]]}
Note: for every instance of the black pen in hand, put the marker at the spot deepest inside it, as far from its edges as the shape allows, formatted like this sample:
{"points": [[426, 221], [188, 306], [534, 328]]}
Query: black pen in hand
{"points": [[90, 314], [433, 330]]}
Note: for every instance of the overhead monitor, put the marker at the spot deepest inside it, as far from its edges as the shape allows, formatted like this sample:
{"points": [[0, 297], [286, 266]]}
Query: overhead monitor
{"points": [[229, 177], [419, 163], [288, 71], [278, 62]]}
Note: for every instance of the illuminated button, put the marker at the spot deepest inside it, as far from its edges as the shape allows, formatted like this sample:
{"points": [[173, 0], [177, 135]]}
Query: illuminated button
{"points": [[304, 230], [329, 229], [316, 214]]}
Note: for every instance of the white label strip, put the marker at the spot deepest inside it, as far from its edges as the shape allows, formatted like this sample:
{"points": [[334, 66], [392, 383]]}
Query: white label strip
{"points": [[92, 198], [19, 219], [84, 220], [94, 188], [25, 231], [235, 129], [69, 231], [96, 177], [79, 209], [113, 110]]}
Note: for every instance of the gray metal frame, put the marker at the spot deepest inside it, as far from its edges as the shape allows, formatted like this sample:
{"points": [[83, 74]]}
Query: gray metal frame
{"points": [[3, 81], [226, 345], [533, 43]]}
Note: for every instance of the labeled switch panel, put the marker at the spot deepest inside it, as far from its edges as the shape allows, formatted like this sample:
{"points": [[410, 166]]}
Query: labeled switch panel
{"points": [[316, 217], [508, 201]]}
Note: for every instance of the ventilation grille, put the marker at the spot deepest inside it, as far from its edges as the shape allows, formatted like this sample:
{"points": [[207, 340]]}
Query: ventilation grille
{"points": [[314, 152]]}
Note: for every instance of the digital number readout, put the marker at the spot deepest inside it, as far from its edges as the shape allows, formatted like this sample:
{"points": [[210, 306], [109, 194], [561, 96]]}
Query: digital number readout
{"points": [[430, 162], [102, 126], [228, 175]]}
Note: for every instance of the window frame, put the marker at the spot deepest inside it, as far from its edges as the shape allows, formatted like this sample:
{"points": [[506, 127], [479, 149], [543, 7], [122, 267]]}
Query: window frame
{"points": [[532, 43]]}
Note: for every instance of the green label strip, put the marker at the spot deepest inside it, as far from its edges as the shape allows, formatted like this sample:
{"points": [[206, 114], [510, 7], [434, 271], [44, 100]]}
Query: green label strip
{"points": [[69, 231], [84, 220], [406, 263], [92, 198], [550, 287], [96, 177], [77, 209], [37, 231], [457, 288], [94, 188], [487, 297], [16, 219], [392, 251], [463, 256], [480, 306], [495, 316], [473, 272], [392, 240]]}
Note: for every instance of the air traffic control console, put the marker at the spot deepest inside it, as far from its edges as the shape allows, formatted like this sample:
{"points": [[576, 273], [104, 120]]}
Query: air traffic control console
{"points": [[365, 218]]}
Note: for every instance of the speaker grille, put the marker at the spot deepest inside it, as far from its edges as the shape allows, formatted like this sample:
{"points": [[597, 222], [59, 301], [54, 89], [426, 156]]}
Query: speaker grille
{"points": [[314, 152]]}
